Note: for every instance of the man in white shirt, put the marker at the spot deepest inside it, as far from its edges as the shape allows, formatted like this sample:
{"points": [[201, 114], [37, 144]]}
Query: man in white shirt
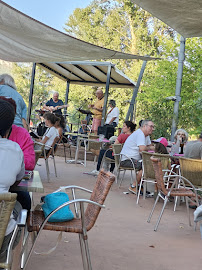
{"points": [[137, 142], [112, 114]]}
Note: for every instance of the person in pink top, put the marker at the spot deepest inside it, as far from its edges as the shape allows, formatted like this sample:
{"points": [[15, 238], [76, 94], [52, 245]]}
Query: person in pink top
{"points": [[21, 136]]}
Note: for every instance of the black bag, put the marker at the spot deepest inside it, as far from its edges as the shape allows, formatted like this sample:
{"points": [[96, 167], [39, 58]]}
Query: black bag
{"points": [[106, 130], [41, 129]]}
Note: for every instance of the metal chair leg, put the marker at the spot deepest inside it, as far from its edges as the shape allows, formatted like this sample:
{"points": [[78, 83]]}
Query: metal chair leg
{"points": [[54, 166], [188, 212], [138, 195], [47, 170], [122, 178], [82, 248], [152, 211], [160, 216]]}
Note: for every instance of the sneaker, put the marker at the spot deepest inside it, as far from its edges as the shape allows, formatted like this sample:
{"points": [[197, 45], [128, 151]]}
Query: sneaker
{"points": [[133, 190], [94, 172]]}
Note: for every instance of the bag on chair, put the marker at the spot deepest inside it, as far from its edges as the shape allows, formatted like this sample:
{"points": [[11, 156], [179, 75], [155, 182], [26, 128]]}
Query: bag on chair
{"points": [[53, 201]]}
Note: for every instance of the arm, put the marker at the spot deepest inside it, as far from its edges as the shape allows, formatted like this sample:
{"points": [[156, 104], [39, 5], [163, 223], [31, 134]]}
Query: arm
{"points": [[112, 120], [146, 148], [45, 140], [25, 125]]}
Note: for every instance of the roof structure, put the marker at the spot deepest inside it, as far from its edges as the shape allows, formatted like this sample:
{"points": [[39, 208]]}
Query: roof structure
{"points": [[88, 73], [23, 39], [185, 16]]}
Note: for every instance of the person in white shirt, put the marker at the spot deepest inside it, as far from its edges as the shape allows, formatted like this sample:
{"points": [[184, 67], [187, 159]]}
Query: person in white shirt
{"points": [[12, 167], [137, 142], [52, 132], [112, 114]]}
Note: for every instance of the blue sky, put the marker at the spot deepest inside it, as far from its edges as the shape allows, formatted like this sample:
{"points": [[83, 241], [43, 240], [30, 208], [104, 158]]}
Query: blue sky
{"points": [[51, 12]]}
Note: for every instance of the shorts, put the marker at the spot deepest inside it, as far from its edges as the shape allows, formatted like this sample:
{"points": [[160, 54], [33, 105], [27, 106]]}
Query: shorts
{"points": [[128, 164], [96, 124]]}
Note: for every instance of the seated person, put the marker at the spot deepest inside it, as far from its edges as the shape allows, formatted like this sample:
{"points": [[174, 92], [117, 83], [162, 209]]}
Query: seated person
{"points": [[21, 136], [128, 128], [137, 142], [194, 149], [60, 124], [112, 114], [51, 133], [180, 140], [11, 167]]}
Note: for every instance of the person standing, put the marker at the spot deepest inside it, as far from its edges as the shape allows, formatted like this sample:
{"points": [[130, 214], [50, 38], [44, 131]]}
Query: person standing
{"points": [[137, 142], [55, 104], [112, 114], [97, 109], [8, 89]]}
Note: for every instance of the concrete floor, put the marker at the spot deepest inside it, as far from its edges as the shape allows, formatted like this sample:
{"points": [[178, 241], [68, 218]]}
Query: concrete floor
{"points": [[121, 238]]}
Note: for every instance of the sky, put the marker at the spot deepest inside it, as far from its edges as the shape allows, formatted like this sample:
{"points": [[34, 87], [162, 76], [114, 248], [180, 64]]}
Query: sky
{"points": [[54, 13]]}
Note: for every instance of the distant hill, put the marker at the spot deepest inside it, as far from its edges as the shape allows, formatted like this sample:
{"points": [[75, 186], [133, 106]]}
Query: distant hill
{"points": [[6, 67]]}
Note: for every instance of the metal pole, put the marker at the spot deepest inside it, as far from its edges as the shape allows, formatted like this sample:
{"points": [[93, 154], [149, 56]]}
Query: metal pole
{"points": [[66, 97], [131, 107], [31, 93], [181, 58], [106, 95]]}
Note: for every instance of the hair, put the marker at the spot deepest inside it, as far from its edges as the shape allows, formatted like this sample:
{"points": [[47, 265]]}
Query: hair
{"points": [[55, 92], [112, 102], [130, 125], [51, 117], [145, 122], [160, 148], [183, 131], [8, 80], [7, 115], [10, 100], [140, 123], [61, 120]]}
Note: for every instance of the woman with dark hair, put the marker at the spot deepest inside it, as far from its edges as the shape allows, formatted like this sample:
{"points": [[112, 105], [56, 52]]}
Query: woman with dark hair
{"points": [[128, 128], [11, 167], [60, 124], [51, 133]]}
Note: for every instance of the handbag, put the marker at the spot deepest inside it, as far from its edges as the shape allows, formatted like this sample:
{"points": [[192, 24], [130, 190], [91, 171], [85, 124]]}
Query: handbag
{"points": [[53, 201]]}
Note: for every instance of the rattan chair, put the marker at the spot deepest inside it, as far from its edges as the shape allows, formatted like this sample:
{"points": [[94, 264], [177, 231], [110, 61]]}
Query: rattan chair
{"points": [[148, 175], [192, 170], [83, 221], [7, 203], [91, 146], [165, 193]]}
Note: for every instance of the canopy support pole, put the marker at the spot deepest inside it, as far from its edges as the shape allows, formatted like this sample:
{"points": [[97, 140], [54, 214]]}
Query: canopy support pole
{"points": [[106, 95], [31, 93], [131, 107], [66, 98], [181, 58]]}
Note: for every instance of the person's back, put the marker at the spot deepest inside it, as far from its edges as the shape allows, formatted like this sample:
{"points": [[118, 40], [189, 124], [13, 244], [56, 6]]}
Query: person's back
{"points": [[21, 109], [193, 149]]}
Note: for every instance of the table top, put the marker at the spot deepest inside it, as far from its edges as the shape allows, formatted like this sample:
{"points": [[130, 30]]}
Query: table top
{"points": [[34, 184]]}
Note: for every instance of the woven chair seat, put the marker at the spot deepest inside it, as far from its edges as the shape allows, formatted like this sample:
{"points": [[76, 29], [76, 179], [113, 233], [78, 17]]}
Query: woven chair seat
{"points": [[181, 192], [126, 168], [36, 218]]}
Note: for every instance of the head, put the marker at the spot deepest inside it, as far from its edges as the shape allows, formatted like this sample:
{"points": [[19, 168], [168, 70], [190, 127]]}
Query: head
{"points": [[6, 79], [128, 127], [99, 93], [7, 115], [112, 103], [147, 127], [55, 96], [160, 145], [50, 119], [10, 100], [182, 133], [160, 148], [61, 121]]}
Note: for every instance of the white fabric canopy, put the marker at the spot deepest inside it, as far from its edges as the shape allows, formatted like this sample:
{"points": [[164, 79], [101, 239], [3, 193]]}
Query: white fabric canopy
{"points": [[185, 16], [23, 39]]}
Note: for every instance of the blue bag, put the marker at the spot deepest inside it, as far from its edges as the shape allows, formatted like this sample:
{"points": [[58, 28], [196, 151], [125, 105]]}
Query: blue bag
{"points": [[53, 201]]}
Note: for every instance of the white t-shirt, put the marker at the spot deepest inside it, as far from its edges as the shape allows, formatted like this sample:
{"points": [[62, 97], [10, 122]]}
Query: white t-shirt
{"points": [[12, 168], [51, 133], [131, 145], [112, 114]]}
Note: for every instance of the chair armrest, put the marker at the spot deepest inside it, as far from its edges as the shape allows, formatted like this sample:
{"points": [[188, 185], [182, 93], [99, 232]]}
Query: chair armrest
{"points": [[21, 220], [73, 187]]}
